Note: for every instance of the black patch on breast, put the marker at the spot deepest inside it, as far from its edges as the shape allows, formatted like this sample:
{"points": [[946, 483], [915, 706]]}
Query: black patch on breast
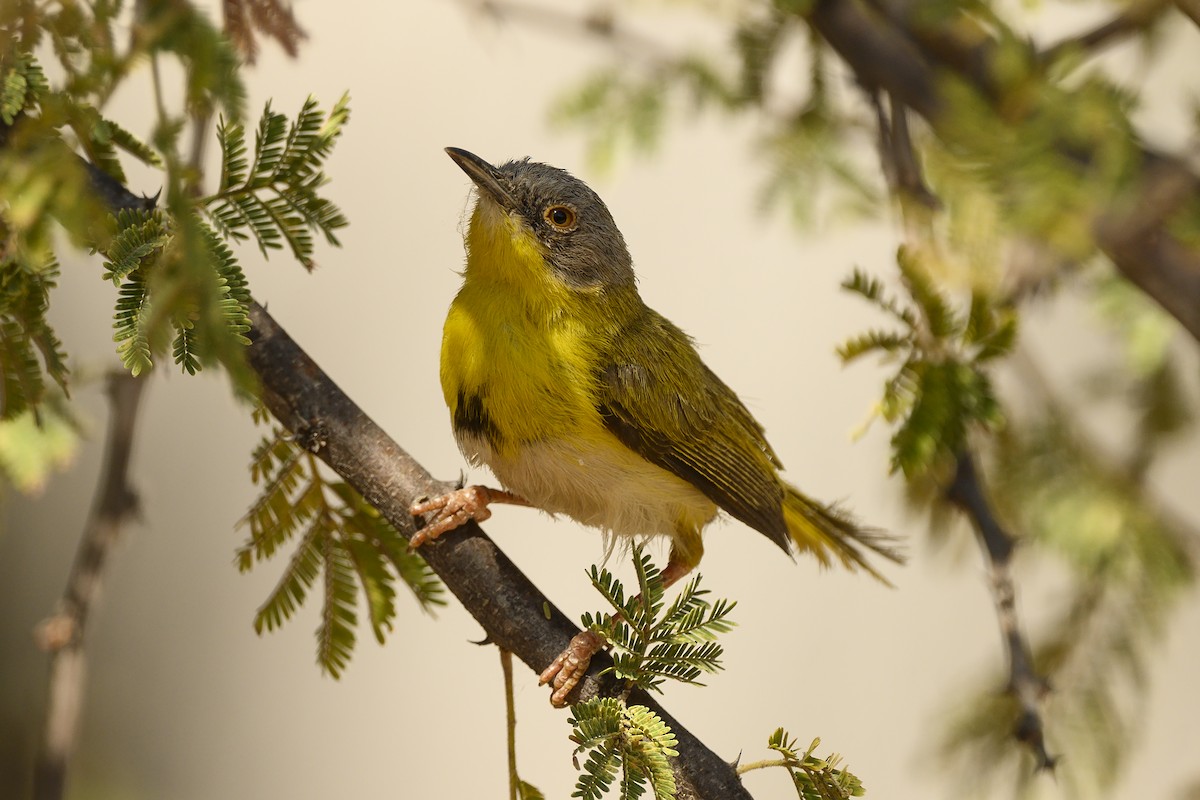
{"points": [[471, 416]]}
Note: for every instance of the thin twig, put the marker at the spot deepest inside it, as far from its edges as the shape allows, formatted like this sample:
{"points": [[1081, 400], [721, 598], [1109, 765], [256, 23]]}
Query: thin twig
{"points": [[897, 156], [62, 635], [510, 722], [598, 23], [967, 493], [1130, 20]]}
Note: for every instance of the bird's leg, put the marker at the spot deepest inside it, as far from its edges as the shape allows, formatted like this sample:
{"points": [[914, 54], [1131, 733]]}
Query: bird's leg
{"points": [[566, 671], [457, 508]]}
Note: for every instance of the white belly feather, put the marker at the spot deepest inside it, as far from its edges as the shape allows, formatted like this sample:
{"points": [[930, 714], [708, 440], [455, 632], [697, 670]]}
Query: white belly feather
{"points": [[611, 488]]}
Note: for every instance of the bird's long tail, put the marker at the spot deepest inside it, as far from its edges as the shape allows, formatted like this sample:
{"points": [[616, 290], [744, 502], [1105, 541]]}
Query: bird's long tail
{"points": [[830, 534]]}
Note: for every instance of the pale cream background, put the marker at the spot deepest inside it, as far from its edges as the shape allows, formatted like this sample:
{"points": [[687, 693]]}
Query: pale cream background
{"points": [[185, 701]]}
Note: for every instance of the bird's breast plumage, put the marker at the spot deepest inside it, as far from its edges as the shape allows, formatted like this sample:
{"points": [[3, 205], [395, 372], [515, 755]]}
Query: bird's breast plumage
{"points": [[522, 386]]}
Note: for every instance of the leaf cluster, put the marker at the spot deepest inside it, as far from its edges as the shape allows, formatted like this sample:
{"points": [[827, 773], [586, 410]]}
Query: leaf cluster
{"points": [[652, 641], [179, 287], [37, 442], [274, 197], [940, 389], [206, 309], [622, 740], [342, 541], [30, 352], [814, 778]]}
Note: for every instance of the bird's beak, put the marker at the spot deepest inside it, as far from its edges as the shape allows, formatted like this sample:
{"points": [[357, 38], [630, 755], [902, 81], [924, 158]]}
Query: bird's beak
{"points": [[489, 179]]}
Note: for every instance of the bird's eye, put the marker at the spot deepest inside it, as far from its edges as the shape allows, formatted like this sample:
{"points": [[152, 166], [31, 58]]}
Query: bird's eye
{"points": [[561, 217]]}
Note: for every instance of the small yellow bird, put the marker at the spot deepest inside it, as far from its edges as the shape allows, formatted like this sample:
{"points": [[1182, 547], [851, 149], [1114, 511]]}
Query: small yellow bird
{"points": [[584, 401]]}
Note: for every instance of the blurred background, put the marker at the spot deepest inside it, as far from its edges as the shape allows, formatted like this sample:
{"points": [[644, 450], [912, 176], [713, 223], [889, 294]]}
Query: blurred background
{"points": [[185, 701]]}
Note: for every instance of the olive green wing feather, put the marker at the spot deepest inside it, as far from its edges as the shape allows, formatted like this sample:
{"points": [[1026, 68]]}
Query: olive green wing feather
{"points": [[660, 400]]}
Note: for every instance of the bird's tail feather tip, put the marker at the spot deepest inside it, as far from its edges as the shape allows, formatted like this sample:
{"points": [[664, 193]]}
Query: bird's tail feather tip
{"points": [[831, 533]]}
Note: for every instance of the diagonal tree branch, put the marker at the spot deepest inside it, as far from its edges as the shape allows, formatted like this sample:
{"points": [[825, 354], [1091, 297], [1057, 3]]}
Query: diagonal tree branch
{"points": [[62, 635], [514, 613]]}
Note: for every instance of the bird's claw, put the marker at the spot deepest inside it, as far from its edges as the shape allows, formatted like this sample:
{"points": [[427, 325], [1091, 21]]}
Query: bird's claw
{"points": [[565, 672], [453, 510]]}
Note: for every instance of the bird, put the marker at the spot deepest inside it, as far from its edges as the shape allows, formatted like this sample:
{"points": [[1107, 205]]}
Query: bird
{"points": [[584, 401]]}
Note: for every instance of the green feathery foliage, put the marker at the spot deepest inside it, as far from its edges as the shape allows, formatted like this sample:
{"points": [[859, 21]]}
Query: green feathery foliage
{"points": [[941, 388], [630, 741], [274, 197], [211, 65], [652, 642], [140, 236], [179, 287], [805, 150], [207, 311], [34, 444], [29, 350], [340, 537], [814, 778], [651, 645], [24, 83]]}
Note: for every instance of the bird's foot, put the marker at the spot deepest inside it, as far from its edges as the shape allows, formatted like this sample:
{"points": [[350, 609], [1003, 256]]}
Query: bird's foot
{"points": [[565, 672], [457, 509]]}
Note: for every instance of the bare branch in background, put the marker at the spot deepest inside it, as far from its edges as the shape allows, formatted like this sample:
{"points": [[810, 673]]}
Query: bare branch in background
{"points": [[898, 159], [967, 493], [598, 22], [63, 635], [1127, 22], [896, 54], [1136, 240]]}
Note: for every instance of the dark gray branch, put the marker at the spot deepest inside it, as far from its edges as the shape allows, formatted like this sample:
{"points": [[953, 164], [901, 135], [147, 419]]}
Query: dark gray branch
{"points": [[967, 494], [62, 635], [1129, 21], [514, 613], [882, 58], [1136, 240]]}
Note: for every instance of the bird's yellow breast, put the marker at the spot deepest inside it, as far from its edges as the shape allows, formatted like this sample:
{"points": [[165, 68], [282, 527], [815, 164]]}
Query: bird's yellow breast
{"points": [[518, 359], [528, 376]]}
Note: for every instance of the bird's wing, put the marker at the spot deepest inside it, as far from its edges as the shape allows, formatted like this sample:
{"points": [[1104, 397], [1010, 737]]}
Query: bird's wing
{"points": [[660, 400]]}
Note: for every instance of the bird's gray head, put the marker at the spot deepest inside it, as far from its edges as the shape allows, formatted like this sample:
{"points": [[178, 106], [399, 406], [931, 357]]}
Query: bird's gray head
{"points": [[573, 226]]}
